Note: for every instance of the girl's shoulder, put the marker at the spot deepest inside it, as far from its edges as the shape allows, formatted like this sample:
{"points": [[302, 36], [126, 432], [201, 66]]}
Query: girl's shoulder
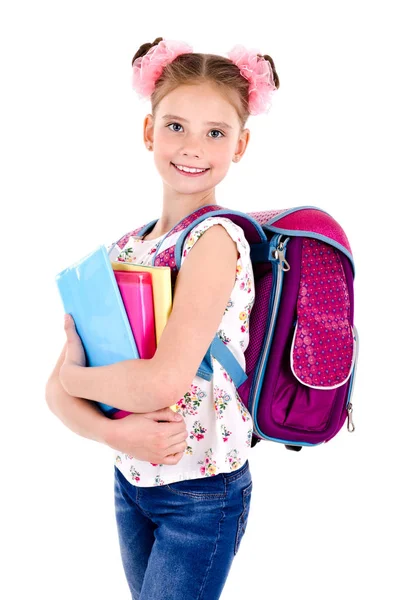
{"points": [[235, 232]]}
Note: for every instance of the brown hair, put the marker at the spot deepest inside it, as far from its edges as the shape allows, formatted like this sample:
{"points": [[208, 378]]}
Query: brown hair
{"points": [[193, 68]]}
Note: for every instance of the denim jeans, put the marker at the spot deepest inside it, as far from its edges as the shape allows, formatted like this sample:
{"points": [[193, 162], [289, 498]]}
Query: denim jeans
{"points": [[178, 541]]}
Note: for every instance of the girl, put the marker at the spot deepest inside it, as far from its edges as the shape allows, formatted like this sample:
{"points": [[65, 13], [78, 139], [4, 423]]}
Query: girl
{"points": [[182, 507]]}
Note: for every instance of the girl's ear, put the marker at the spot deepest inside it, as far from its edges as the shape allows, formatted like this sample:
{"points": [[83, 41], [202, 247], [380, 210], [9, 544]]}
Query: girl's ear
{"points": [[242, 144], [148, 131]]}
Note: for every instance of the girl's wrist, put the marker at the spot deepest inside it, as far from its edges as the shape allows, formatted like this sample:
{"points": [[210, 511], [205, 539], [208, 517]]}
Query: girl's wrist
{"points": [[106, 431], [109, 433]]}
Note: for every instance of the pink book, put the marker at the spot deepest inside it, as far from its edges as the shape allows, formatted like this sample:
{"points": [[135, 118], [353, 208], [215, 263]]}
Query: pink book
{"points": [[137, 295]]}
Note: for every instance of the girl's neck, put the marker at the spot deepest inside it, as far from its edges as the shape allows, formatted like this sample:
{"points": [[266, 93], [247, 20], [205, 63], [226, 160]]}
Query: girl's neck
{"points": [[172, 215]]}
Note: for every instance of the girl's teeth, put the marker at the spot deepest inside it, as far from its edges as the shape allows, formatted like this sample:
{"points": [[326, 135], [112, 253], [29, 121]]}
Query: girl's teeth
{"points": [[190, 170]]}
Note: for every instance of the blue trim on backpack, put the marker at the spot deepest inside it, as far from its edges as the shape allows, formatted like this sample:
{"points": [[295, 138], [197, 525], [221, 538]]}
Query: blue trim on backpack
{"points": [[288, 442], [145, 229]]}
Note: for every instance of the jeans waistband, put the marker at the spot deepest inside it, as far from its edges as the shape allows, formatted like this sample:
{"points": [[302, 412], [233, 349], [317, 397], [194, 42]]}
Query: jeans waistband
{"points": [[238, 473]]}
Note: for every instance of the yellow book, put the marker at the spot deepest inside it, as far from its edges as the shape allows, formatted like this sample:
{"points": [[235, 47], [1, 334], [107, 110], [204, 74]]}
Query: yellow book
{"points": [[161, 287], [162, 293]]}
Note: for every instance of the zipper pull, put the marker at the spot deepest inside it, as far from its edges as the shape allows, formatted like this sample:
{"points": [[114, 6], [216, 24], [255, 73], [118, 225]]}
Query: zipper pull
{"points": [[350, 424], [282, 261], [279, 254]]}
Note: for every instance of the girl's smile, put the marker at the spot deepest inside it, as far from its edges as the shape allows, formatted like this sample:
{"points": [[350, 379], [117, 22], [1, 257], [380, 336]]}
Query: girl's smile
{"points": [[187, 174]]}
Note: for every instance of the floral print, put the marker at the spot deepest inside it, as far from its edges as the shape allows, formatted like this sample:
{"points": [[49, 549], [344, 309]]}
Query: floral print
{"points": [[208, 467], [197, 432], [221, 399], [135, 475], [191, 401], [225, 433], [233, 459], [218, 423]]}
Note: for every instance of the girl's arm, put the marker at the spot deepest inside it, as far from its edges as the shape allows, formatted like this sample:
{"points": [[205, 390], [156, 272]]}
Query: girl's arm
{"points": [[81, 416], [132, 385]]}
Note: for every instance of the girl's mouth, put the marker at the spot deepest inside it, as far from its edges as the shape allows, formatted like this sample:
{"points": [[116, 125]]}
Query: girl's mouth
{"points": [[189, 174]]}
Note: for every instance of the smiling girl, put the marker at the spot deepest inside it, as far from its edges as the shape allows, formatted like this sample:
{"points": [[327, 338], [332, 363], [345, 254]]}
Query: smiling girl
{"points": [[182, 489]]}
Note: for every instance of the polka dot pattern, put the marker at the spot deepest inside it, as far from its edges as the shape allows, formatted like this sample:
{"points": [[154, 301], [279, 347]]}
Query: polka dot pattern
{"points": [[323, 340], [262, 217]]}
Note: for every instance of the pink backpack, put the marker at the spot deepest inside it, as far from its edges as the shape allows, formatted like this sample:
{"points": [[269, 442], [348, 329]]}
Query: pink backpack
{"points": [[303, 346]]}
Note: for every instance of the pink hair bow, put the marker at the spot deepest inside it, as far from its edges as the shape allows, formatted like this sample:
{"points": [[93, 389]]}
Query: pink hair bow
{"points": [[258, 71], [148, 68]]}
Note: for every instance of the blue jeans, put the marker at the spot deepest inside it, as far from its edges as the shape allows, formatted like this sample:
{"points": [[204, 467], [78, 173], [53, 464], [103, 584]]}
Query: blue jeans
{"points": [[179, 540]]}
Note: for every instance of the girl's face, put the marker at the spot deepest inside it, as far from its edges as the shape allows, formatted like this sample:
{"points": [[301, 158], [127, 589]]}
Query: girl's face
{"points": [[196, 127]]}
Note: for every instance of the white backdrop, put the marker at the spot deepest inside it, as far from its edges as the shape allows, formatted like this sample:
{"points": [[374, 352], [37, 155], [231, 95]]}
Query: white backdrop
{"points": [[75, 173]]}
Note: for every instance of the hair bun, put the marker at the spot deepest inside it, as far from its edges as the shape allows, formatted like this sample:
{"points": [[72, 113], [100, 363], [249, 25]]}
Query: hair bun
{"points": [[145, 48], [275, 74]]}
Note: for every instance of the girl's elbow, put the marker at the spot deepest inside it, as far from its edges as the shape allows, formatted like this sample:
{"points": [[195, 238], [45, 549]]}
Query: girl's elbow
{"points": [[49, 394]]}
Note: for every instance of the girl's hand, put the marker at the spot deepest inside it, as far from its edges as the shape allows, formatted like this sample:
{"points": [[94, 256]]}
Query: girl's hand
{"points": [[155, 437], [75, 354]]}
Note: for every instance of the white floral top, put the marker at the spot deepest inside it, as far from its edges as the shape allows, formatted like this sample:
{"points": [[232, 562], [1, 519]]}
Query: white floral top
{"points": [[219, 425]]}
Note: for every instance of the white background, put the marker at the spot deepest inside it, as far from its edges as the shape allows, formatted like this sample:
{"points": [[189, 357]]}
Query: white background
{"points": [[75, 173]]}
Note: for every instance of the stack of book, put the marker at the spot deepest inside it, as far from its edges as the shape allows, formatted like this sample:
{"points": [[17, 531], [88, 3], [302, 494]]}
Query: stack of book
{"points": [[119, 309]]}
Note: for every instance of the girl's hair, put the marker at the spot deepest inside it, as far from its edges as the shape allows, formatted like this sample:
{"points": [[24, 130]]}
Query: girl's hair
{"points": [[193, 68]]}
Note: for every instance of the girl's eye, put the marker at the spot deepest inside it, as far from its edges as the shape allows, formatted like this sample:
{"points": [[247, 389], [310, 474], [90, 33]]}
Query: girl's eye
{"points": [[173, 124], [215, 137], [222, 134]]}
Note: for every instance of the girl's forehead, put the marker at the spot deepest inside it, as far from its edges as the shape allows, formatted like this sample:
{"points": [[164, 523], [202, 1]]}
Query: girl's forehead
{"points": [[207, 91], [197, 103]]}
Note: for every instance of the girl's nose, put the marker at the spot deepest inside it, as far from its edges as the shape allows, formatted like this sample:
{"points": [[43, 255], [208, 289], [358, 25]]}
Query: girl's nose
{"points": [[193, 154], [192, 147]]}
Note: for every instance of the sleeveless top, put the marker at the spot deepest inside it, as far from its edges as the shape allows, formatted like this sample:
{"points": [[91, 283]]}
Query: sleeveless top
{"points": [[219, 425]]}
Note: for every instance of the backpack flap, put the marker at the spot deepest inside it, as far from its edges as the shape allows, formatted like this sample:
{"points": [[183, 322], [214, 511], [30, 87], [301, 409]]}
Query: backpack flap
{"points": [[323, 349]]}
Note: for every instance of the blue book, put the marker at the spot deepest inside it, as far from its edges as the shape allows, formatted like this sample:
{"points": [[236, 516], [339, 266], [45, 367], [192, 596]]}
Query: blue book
{"points": [[90, 294]]}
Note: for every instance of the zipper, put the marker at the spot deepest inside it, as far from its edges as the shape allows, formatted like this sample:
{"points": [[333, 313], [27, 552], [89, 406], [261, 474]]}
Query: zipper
{"points": [[279, 266], [349, 406]]}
